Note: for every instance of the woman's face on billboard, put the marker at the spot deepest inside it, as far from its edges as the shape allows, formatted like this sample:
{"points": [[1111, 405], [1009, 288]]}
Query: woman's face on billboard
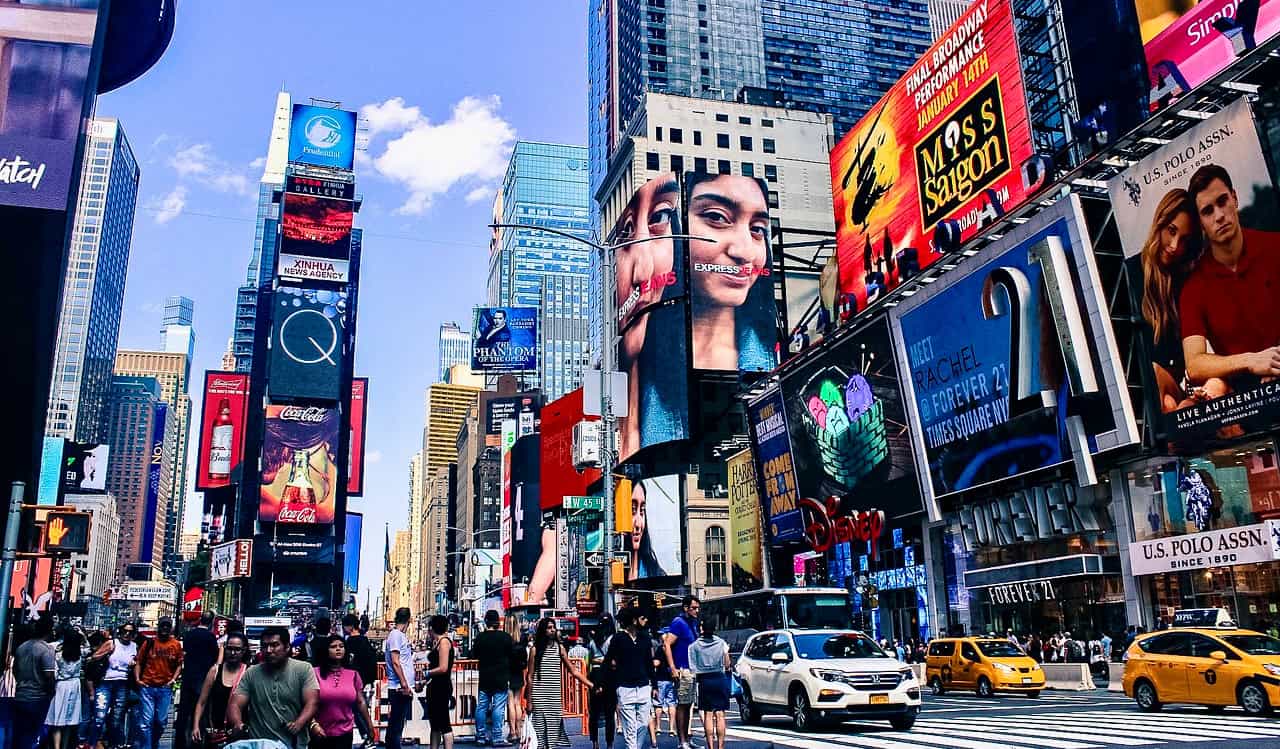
{"points": [[642, 269], [638, 519], [733, 211], [1174, 239]]}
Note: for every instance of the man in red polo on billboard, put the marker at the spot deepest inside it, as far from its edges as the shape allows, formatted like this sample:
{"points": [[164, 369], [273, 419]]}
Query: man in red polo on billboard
{"points": [[299, 468]]}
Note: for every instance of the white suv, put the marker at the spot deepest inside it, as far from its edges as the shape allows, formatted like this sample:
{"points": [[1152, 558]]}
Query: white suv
{"points": [[826, 674]]}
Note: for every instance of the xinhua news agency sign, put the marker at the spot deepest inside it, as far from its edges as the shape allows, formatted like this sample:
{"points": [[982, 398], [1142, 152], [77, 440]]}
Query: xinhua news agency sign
{"points": [[1245, 544]]}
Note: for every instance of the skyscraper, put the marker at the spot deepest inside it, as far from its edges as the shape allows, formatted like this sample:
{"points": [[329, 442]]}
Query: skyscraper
{"points": [[176, 334], [137, 422], [455, 348], [446, 407], [93, 294], [170, 371], [266, 225], [546, 185], [943, 13]]}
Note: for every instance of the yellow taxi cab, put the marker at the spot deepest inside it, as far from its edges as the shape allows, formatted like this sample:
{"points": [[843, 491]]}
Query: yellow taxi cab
{"points": [[1214, 666], [982, 664]]}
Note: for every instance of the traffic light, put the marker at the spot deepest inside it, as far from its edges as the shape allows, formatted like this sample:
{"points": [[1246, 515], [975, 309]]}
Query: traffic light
{"points": [[66, 532]]}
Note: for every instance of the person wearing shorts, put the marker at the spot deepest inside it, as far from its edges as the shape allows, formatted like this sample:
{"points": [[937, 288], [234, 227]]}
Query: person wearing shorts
{"points": [[665, 701], [684, 631]]}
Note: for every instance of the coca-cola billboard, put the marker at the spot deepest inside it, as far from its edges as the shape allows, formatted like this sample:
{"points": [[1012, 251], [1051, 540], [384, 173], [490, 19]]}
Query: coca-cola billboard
{"points": [[222, 424], [299, 483]]}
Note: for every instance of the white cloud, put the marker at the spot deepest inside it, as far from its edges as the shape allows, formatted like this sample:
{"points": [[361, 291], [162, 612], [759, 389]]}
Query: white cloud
{"points": [[198, 163], [172, 205], [470, 149], [372, 457], [480, 193], [258, 163]]}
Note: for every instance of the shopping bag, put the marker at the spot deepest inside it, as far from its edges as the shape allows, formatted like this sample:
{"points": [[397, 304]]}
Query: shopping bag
{"points": [[735, 685], [528, 736]]}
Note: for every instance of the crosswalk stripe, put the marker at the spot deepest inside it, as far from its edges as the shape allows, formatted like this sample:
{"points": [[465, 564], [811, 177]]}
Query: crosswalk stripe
{"points": [[1232, 723], [981, 724], [1194, 715], [977, 734], [861, 740], [1182, 733], [787, 739]]}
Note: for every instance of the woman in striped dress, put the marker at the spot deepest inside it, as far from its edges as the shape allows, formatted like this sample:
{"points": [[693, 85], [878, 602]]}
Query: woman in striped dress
{"points": [[544, 684]]}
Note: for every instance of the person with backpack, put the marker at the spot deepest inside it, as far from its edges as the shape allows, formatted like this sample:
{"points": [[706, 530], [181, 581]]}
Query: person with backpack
{"points": [[363, 659], [199, 654], [110, 699], [158, 666]]}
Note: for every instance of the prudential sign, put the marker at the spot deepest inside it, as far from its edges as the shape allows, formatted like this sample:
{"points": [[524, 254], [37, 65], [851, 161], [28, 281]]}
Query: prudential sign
{"points": [[320, 136]]}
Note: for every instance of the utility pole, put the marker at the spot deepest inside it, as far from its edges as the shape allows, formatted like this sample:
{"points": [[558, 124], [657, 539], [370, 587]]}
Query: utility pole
{"points": [[10, 551]]}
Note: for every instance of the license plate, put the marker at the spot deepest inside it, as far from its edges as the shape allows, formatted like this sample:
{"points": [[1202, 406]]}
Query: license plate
{"points": [[879, 699], [1026, 680]]}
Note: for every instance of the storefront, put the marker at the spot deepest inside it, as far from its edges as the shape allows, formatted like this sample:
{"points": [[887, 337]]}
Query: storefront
{"points": [[1207, 535], [1038, 560]]}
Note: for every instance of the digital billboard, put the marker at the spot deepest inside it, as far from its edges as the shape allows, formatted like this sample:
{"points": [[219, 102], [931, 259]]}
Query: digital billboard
{"points": [[351, 551], [653, 342], [222, 428], [1199, 222], [322, 136], [357, 406], [293, 548], [315, 238], [526, 510], [299, 465], [84, 467], [524, 409], [1010, 363], [49, 486], [775, 467], [504, 339], [231, 560], [320, 187], [1197, 40], [154, 468], [307, 336], [45, 99], [946, 143], [744, 523], [558, 477], [733, 317], [655, 536]]}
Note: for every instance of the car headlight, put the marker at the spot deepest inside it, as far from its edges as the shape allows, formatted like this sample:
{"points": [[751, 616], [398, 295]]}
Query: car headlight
{"points": [[1272, 669], [825, 675], [908, 674], [1006, 668]]}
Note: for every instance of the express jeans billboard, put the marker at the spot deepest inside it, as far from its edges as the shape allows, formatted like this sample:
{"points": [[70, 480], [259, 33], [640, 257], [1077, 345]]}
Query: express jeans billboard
{"points": [[1012, 361], [1198, 219], [299, 465], [505, 339], [767, 422], [654, 538], [848, 424], [650, 288]]}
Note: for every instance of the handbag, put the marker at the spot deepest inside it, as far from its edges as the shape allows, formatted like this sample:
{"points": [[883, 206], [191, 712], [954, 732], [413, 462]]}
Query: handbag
{"points": [[528, 735], [735, 685]]}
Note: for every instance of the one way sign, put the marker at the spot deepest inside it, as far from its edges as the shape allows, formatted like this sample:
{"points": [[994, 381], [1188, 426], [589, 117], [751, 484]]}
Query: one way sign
{"points": [[595, 559]]}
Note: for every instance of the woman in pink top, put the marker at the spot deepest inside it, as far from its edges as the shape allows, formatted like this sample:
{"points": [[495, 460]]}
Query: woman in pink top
{"points": [[341, 695]]}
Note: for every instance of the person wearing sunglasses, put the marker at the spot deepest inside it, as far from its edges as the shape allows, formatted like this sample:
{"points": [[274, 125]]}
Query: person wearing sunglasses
{"points": [[111, 697], [209, 722]]}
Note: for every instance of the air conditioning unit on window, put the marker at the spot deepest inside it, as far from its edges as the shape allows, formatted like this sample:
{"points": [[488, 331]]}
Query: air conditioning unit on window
{"points": [[586, 445]]}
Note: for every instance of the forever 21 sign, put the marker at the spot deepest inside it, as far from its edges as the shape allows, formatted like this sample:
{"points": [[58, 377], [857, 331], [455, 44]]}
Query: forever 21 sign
{"points": [[1231, 546]]}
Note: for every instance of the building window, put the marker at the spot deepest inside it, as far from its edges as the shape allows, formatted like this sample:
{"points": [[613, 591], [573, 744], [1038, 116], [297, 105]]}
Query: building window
{"points": [[677, 164], [744, 120], [723, 167], [722, 118], [697, 137], [657, 133], [676, 135], [702, 38], [768, 145], [704, 55], [722, 140], [748, 169], [773, 198], [700, 165], [702, 24], [771, 172], [651, 162], [766, 123], [717, 560], [706, 72], [744, 142]]}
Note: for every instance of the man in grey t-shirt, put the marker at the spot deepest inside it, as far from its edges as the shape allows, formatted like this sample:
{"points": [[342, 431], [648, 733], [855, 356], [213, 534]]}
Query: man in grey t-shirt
{"points": [[34, 679], [280, 694]]}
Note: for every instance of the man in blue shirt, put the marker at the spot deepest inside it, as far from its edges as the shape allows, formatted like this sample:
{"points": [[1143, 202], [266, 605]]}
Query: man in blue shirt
{"points": [[684, 630]]}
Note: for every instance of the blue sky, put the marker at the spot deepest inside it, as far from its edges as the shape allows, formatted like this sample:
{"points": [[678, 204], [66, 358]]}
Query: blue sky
{"points": [[445, 88]]}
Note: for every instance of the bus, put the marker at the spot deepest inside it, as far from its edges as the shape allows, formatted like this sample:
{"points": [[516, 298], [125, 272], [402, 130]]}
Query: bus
{"points": [[739, 616]]}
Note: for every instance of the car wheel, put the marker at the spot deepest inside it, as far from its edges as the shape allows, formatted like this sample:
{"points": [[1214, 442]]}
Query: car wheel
{"points": [[1253, 698], [1144, 693], [984, 687], [1034, 695], [801, 715], [935, 686], [903, 722], [748, 711]]}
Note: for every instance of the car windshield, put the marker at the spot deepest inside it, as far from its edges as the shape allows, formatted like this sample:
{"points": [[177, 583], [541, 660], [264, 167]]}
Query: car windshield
{"points": [[999, 649], [1255, 644], [821, 647], [817, 610]]}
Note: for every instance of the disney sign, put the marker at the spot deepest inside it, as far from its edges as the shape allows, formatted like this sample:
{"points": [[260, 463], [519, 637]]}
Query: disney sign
{"points": [[825, 525]]}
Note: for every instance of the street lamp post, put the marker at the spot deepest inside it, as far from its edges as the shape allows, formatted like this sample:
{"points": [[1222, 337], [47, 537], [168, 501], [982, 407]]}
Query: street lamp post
{"points": [[608, 342]]}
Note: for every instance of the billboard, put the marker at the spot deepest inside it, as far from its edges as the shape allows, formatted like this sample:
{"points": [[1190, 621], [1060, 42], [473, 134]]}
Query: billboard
{"points": [[351, 551], [1199, 40], [154, 466], [1198, 220], [733, 317], [526, 510], [45, 100], [524, 409], [848, 425], [315, 238], [558, 477], [654, 539], [307, 336], [653, 346], [505, 339], [49, 484], [222, 427], [322, 136], [1026, 318], [775, 467], [744, 523], [231, 560], [84, 467], [299, 465], [320, 187], [293, 548], [358, 408], [944, 143]]}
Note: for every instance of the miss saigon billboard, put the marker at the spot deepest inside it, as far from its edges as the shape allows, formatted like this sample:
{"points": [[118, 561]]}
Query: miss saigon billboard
{"points": [[944, 144]]}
